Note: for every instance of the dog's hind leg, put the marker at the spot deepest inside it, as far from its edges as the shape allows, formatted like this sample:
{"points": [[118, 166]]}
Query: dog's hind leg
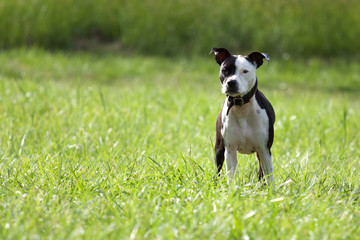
{"points": [[266, 167], [219, 157], [260, 172], [219, 146]]}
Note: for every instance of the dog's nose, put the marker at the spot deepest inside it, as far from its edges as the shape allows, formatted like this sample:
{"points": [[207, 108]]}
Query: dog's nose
{"points": [[231, 84]]}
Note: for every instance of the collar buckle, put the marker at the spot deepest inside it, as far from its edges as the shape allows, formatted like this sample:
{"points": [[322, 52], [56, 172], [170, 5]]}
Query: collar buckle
{"points": [[239, 101]]}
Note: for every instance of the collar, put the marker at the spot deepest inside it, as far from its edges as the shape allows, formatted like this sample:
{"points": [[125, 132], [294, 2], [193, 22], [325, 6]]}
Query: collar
{"points": [[241, 100]]}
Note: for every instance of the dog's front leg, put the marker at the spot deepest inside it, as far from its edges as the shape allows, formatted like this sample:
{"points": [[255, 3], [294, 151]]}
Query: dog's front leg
{"points": [[231, 163], [266, 166]]}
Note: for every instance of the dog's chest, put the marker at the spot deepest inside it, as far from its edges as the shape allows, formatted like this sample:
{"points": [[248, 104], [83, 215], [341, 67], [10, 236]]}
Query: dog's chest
{"points": [[245, 128]]}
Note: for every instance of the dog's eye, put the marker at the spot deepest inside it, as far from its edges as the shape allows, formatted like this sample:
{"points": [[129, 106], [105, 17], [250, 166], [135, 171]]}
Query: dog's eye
{"points": [[225, 71], [245, 71]]}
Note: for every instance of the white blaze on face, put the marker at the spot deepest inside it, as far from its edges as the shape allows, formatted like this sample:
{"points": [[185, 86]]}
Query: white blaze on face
{"points": [[245, 74]]}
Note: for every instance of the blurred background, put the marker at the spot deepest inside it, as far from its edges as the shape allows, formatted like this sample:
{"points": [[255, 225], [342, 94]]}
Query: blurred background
{"points": [[284, 28]]}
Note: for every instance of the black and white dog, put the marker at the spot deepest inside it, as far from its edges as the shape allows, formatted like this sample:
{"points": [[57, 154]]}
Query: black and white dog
{"points": [[246, 121]]}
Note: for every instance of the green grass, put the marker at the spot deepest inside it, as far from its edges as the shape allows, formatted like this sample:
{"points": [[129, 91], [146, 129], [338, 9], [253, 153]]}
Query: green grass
{"points": [[97, 146], [296, 28]]}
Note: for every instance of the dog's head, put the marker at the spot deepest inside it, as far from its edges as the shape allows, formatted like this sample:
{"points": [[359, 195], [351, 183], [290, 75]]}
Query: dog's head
{"points": [[237, 73]]}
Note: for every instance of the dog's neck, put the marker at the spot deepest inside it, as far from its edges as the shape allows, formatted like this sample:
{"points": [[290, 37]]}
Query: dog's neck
{"points": [[241, 100]]}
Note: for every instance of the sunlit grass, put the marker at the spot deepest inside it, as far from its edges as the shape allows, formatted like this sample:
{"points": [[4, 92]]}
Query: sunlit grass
{"points": [[96, 146]]}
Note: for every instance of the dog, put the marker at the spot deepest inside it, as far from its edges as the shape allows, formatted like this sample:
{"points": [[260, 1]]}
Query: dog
{"points": [[245, 123]]}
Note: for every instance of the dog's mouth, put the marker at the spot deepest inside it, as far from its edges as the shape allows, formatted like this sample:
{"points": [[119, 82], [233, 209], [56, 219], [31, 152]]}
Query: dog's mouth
{"points": [[232, 92]]}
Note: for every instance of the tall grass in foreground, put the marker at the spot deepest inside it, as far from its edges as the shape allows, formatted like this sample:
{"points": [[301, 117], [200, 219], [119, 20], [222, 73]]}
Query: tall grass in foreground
{"points": [[297, 28], [96, 146]]}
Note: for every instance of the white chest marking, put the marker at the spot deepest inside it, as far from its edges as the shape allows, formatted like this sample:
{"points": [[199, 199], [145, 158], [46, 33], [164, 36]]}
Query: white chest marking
{"points": [[245, 128]]}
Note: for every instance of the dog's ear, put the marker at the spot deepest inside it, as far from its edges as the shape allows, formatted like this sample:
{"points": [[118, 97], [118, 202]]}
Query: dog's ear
{"points": [[220, 54], [256, 58]]}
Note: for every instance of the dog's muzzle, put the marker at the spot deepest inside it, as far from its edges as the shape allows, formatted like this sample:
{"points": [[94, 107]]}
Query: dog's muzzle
{"points": [[232, 88]]}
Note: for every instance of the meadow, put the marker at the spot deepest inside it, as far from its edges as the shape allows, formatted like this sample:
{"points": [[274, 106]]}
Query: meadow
{"points": [[105, 146], [303, 28]]}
